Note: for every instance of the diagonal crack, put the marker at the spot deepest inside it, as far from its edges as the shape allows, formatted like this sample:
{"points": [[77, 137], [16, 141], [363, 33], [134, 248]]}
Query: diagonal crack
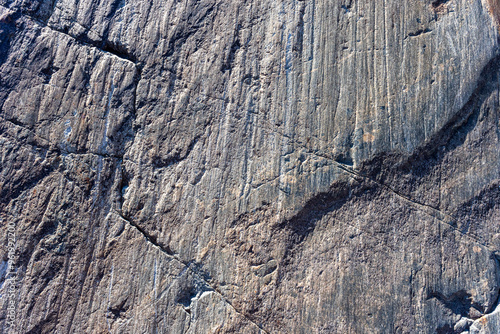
{"points": [[105, 46], [167, 251], [434, 212], [353, 173], [427, 209], [441, 216]]}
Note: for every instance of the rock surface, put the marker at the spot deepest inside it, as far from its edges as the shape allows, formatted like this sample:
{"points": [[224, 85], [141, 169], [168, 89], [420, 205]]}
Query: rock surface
{"points": [[208, 166]]}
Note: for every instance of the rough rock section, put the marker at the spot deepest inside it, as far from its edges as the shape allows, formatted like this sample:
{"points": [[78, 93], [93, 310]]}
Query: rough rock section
{"points": [[213, 166]]}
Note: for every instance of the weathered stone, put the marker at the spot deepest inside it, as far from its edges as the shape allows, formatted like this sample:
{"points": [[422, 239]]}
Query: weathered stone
{"points": [[251, 167]]}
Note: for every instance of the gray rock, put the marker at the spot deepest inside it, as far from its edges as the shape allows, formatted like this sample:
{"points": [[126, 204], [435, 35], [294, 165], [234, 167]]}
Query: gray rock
{"points": [[463, 325], [249, 166]]}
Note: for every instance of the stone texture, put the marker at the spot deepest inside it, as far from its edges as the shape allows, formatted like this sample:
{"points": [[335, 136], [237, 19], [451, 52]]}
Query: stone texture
{"points": [[251, 167]]}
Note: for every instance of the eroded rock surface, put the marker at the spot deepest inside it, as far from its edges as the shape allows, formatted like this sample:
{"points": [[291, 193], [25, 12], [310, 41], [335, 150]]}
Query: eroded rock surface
{"points": [[209, 166]]}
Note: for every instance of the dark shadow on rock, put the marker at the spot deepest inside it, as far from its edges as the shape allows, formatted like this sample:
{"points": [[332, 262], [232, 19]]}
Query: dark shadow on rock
{"points": [[452, 135]]}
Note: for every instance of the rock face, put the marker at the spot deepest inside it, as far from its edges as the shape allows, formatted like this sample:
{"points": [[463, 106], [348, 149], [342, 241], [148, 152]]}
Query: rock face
{"points": [[207, 166]]}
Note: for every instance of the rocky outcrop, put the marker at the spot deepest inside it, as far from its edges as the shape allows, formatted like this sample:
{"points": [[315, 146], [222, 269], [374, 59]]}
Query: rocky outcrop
{"points": [[250, 166]]}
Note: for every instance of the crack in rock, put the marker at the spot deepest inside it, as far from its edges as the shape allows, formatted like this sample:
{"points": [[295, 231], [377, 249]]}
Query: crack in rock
{"points": [[189, 265], [105, 47]]}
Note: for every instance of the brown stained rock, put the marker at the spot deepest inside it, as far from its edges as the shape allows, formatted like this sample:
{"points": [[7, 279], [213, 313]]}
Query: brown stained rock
{"points": [[494, 9]]}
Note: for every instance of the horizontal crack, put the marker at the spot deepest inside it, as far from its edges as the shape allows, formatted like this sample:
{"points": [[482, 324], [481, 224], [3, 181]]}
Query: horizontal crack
{"points": [[418, 33], [56, 147]]}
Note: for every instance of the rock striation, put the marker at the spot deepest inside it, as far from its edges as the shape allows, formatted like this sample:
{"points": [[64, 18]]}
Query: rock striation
{"points": [[285, 166]]}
